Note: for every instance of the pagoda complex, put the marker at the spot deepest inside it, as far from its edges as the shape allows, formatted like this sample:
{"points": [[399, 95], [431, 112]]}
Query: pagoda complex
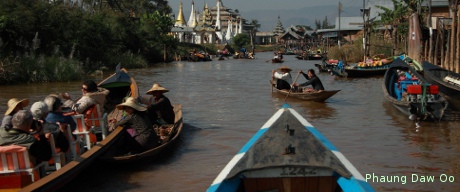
{"points": [[217, 24]]}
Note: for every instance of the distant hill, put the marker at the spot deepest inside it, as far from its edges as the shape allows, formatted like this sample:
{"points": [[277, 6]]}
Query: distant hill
{"points": [[302, 16]]}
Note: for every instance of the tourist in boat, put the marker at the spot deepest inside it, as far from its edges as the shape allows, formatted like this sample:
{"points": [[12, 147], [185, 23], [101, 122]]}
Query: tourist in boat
{"points": [[55, 114], [91, 95], [142, 130], [20, 135], [39, 111], [160, 109], [313, 80], [283, 77], [243, 50], [275, 56], [14, 105]]}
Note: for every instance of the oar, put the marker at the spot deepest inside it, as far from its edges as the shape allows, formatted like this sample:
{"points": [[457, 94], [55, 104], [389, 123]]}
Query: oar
{"points": [[291, 87]]}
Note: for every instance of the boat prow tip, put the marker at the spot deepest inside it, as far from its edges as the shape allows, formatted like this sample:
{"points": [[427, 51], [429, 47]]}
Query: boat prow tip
{"points": [[286, 106]]}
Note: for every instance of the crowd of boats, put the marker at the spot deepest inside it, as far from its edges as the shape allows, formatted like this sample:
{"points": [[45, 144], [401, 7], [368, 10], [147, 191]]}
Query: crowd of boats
{"points": [[286, 154], [18, 171]]}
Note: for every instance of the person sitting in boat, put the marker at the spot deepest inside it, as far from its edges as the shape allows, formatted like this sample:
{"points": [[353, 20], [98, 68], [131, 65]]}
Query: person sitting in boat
{"points": [[283, 77], [243, 50], [275, 56], [313, 80], [141, 133], [55, 114], [39, 112], [14, 105], [160, 109], [19, 134], [250, 55], [91, 95]]}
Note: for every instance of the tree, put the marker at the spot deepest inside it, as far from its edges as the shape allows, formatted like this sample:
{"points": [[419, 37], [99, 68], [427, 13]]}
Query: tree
{"points": [[398, 18], [317, 24], [325, 23], [241, 40]]}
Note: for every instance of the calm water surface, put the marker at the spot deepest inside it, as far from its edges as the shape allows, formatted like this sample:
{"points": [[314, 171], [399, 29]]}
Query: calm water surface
{"points": [[226, 102]]}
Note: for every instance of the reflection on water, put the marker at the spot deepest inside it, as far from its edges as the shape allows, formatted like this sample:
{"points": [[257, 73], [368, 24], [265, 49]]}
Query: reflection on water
{"points": [[226, 102]]}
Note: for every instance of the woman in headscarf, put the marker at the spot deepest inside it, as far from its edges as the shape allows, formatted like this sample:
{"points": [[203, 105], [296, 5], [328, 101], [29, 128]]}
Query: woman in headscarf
{"points": [[137, 119]]}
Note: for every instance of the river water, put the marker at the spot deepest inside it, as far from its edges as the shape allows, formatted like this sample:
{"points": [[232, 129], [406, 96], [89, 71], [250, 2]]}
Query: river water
{"points": [[226, 102]]}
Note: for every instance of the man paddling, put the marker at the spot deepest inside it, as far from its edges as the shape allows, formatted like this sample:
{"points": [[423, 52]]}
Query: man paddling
{"points": [[313, 80]]}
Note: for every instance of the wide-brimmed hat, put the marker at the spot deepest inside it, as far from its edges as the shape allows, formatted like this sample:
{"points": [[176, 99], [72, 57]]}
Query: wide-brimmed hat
{"points": [[133, 103], [12, 103], [284, 68], [157, 87]]}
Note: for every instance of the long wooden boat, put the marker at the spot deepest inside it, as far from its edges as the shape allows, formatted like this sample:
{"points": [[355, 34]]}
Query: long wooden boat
{"points": [[116, 156], [119, 83], [276, 60], [423, 101], [447, 81], [289, 154], [354, 71], [320, 96]]}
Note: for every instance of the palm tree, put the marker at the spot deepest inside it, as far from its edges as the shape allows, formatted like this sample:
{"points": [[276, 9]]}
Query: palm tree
{"points": [[398, 18]]}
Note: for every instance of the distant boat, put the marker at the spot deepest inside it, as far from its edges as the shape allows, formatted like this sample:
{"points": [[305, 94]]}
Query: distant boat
{"points": [[422, 100], [289, 154], [325, 67], [361, 69]]}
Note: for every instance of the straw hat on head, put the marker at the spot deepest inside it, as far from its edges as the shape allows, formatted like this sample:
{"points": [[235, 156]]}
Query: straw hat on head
{"points": [[157, 87], [12, 103], [131, 102], [284, 68]]}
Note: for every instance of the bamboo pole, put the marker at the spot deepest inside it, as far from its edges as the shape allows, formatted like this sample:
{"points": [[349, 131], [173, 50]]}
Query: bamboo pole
{"points": [[457, 53], [453, 40]]}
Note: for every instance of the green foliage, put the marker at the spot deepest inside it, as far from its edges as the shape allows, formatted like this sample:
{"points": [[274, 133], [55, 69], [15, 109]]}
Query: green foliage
{"points": [[241, 40], [59, 35]]}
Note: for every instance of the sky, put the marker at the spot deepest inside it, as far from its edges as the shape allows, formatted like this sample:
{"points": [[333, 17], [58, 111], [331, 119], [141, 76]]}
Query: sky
{"points": [[250, 5], [267, 11]]}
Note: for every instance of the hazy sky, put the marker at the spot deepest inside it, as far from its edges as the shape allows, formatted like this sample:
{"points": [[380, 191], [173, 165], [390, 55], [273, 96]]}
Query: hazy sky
{"points": [[249, 5], [251, 9]]}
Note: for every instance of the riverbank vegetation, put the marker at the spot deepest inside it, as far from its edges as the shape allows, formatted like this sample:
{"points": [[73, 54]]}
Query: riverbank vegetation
{"points": [[44, 41]]}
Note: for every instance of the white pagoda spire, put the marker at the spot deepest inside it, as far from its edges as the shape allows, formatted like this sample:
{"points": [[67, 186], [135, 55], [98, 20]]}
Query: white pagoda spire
{"points": [[219, 33], [228, 35], [192, 18]]}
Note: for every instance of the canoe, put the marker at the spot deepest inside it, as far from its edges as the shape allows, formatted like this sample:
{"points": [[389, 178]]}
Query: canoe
{"points": [[301, 57], [354, 71], [119, 81], [447, 81], [308, 96], [113, 155], [277, 60], [315, 57], [288, 154], [423, 101]]}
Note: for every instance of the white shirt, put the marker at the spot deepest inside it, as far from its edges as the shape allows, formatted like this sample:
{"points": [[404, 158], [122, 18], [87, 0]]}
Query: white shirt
{"points": [[284, 76]]}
